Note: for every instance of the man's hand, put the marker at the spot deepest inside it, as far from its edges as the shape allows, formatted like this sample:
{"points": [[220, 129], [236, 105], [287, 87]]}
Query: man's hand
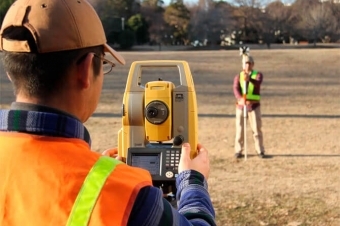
{"points": [[113, 153], [200, 163], [240, 101]]}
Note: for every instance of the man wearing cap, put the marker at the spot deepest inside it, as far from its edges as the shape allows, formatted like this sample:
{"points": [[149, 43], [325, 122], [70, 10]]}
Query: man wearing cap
{"points": [[54, 53], [253, 80]]}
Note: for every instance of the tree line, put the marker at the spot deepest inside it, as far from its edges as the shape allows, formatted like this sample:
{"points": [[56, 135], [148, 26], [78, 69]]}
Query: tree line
{"points": [[208, 22]]}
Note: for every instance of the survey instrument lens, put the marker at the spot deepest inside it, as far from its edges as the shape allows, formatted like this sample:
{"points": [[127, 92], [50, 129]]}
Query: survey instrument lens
{"points": [[156, 112], [152, 112]]}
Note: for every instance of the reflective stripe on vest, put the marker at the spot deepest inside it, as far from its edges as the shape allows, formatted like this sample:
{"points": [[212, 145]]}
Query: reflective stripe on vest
{"points": [[90, 190], [250, 95]]}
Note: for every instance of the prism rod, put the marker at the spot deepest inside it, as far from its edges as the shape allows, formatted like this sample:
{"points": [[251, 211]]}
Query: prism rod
{"points": [[245, 118]]}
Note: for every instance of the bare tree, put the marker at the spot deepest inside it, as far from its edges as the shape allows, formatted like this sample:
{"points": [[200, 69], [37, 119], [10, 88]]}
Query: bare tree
{"points": [[335, 8], [251, 3], [250, 19], [204, 5], [318, 22], [152, 3], [209, 20], [279, 21], [153, 13], [177, 17]]}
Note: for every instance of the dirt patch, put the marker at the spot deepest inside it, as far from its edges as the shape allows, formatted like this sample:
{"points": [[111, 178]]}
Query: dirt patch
{"points": [[299, 183]]}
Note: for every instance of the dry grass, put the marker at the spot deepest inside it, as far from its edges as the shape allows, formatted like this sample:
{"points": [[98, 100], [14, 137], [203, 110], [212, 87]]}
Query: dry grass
{"points": [[299, 184]]}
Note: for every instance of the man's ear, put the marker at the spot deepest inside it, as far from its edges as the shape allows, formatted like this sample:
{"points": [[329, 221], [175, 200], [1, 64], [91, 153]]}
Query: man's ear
{"points": [[9, 77], [85, 71]]}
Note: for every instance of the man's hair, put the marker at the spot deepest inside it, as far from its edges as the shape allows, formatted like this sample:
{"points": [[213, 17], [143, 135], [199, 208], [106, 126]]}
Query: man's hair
{"points": [[42, 75]]}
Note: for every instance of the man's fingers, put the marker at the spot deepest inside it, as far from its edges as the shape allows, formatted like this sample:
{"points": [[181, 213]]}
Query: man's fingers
{"points": [[201, 150], [110, 152], [185, 150], [119, 158]]}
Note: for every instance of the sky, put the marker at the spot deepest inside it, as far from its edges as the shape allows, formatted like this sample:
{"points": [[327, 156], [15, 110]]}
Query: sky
{"points": [[166, 2]]}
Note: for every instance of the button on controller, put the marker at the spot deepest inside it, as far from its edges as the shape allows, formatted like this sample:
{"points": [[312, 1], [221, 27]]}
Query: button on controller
{"points": [[169, 174]]}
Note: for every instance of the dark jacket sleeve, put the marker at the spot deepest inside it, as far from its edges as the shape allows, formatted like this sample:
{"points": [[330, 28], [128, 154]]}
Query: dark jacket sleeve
{"points": [[258, 80], [237, 87], [194, 204]]}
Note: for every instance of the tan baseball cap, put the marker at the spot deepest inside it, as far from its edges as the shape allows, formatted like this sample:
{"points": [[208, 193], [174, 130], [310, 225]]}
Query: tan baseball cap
{"points": [[56, 25], [247, 58]]}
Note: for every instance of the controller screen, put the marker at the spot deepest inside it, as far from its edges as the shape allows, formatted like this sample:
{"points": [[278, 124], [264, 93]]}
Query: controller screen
{"points": [[150, 162]]}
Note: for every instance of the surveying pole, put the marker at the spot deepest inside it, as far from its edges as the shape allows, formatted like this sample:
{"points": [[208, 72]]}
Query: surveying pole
{"points": [[245, 117]]}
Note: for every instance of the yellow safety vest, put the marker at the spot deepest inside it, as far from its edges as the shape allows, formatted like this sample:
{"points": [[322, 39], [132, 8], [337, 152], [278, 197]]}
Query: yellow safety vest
{"points": [[250, 90]]}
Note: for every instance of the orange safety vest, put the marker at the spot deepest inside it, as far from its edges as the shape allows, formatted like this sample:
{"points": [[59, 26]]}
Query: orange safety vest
{"points": [[41, 176]]}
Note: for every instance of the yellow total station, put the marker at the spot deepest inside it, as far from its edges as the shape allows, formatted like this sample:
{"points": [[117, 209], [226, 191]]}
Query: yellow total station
{"points": [[159, 112]]}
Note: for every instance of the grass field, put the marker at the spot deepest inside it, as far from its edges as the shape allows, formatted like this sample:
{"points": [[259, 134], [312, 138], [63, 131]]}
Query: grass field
{"points": [[299, 184]]}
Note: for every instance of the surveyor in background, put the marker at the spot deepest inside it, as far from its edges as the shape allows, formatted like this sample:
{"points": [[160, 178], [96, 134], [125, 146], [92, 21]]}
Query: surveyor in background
{"points": [[54, 53], [253, 80]]}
